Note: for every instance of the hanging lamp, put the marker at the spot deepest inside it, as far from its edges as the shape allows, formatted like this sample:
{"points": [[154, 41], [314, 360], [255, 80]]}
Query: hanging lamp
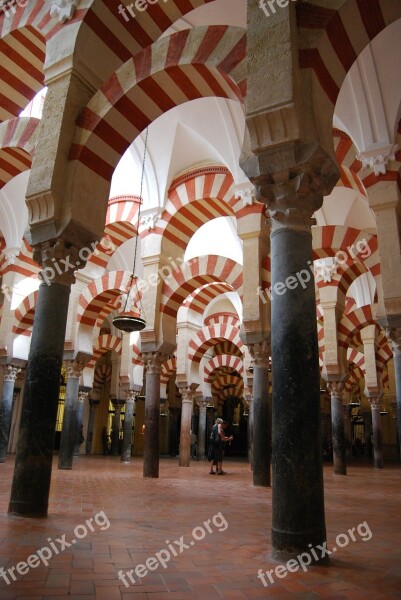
{"points": [[130, 320]]}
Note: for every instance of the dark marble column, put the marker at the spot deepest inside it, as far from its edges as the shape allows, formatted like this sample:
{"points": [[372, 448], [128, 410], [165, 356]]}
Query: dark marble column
{"points": [[377, 432], [33, 465], [367, 418], [261, 422], [174, 411], [93, 404], [6, 407], [185, 433], [337, 427], [128, 421], [202, 404], [249, 405], [115, 432], [68, 432], [394, 335], [347, 431], [153, 362], [298, 519], [79, 413]]}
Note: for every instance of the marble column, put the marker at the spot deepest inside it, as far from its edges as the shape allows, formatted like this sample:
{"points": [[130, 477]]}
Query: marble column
{"points": [[128, 421], [6, 407], [79, 413], [93, 404], [174, 411], [202, 404], [249, 404], [185, 433], [260, 407], [367, 418], [377, 432], [115, 432], [68, 432], [394, 335], [298, 519], [347, 431], [153, 362], [335, 389], [33, 464]]}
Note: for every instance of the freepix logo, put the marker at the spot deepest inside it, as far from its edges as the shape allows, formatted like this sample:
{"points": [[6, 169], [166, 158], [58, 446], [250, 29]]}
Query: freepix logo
{"points": [[269, 7]]}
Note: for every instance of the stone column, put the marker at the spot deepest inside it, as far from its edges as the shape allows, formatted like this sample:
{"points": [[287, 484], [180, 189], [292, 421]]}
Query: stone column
{"points": [[153, 362], [377, 432], [335, 389], [79, 413], [186, 416], [260, 418], [115, 433], [367, 418], [249, 404], [93, 404], [68, 432], [394, 335], [173, 429], [202, 404], [292, 196], [128, 421], [33, 465], [6, 407], [347, 431]]}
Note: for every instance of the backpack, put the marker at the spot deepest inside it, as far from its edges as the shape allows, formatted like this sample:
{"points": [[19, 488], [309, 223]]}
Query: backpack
{"points": [[214, 436]]}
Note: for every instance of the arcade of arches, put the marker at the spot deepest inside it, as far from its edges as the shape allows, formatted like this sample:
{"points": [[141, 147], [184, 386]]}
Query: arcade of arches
{"points": [[250, 162]]}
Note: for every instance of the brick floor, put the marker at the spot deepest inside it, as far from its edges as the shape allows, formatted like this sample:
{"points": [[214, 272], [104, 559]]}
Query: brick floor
{"points": [[147, 515]]}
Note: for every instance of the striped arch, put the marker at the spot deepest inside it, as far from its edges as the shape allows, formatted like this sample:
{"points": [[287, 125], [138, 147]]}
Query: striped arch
{"points": [[101, 297], [343, 279], [222, 361], [24, 263], [121, 225], [136, 355], [356, 358], [168, 368], [194, 199], [227, 384], [191, 64], [22, 57], [329, 240], [105, 343], [353, 174], [202, 296], [344, 35], [351, 324], [224, 338], [24, 314], [102, 375], [356, 374], [17, 146], [196, 273]]}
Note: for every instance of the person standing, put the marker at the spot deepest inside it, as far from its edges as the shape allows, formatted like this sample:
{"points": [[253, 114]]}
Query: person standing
{"points": [[217, 450]]}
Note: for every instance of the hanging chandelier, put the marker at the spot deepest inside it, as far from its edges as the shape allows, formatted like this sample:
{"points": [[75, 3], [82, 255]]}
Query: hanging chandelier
{"points": [[129, 319]]}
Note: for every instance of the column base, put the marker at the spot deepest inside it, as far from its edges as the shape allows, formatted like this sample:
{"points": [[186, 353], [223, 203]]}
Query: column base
{"points": [[2, 460], [287, 546], [63, 468], [24, 509]]}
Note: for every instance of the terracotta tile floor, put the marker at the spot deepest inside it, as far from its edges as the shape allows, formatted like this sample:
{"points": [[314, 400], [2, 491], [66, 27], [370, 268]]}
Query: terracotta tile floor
{"points": [[143, 514]]}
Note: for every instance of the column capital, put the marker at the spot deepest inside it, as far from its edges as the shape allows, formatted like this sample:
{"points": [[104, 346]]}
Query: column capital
{"points": [[335, 388], [375, 402], [187, 394], [59, 260], [394, 337], [117, 403], [131, 395], [260, 354], [10, 373], [202, 404], [153, 361], [292, 194], [93, 404], [74, 368], [82, 396]]}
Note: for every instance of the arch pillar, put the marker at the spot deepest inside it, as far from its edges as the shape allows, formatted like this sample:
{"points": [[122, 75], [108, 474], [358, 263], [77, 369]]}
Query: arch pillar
{"points": [[335, 388], [10, 373], [68, 432]]}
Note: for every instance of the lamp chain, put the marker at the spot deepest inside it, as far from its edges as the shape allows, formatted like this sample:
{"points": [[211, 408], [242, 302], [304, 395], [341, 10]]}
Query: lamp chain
{"points": [[133, 276]]}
